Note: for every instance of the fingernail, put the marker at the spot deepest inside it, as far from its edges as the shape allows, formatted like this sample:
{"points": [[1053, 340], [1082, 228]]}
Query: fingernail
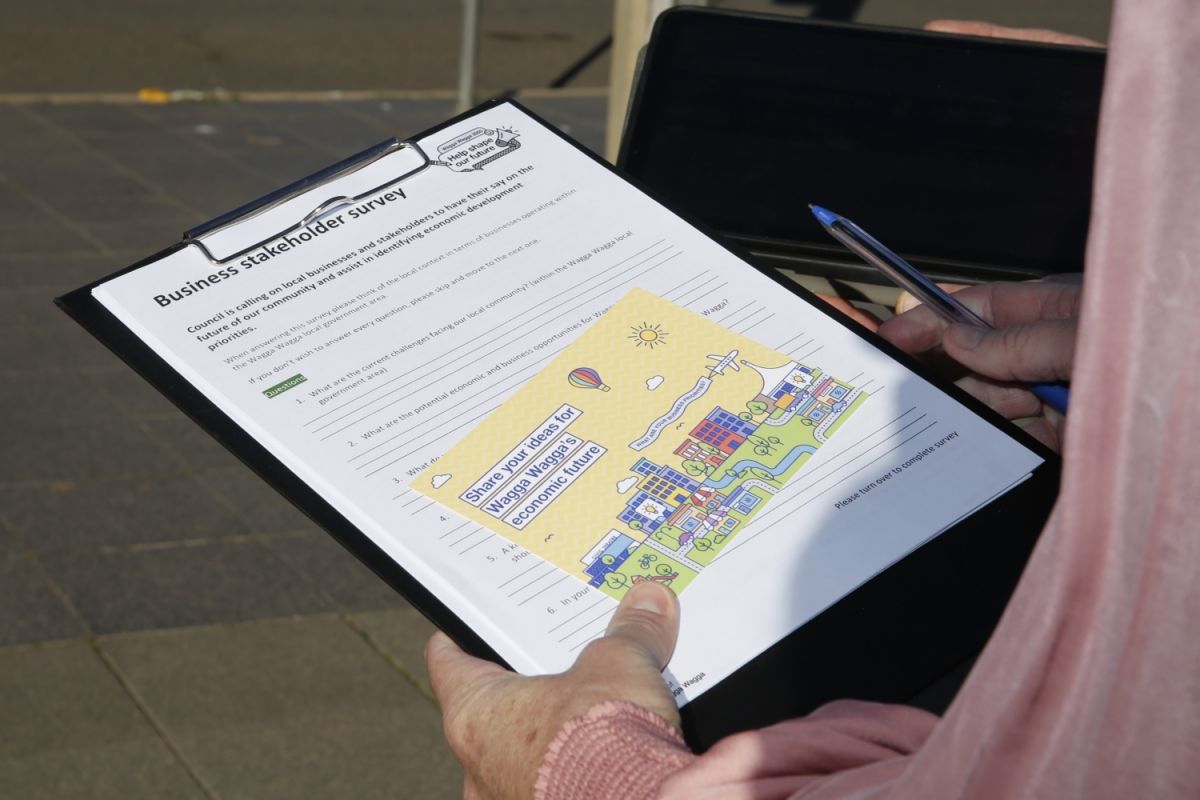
{"points": [[651, 597], [967, 337]]}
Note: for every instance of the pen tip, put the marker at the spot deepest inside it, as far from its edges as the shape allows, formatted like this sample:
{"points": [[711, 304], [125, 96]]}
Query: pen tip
{"points": [[823, 215]]}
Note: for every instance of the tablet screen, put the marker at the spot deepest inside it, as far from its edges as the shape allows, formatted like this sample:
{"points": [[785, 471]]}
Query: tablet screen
{"points": [[947, 148]]}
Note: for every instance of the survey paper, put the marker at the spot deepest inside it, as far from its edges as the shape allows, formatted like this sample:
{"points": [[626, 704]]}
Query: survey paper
{"points": [[360, 347]]}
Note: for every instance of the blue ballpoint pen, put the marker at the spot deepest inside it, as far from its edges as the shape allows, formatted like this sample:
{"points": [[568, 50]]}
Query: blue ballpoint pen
{"points": [[907, 277]]}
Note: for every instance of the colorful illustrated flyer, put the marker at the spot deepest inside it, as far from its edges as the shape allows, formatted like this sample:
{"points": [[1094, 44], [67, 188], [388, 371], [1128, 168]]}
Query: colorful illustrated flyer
{"points": [[644, 448]]}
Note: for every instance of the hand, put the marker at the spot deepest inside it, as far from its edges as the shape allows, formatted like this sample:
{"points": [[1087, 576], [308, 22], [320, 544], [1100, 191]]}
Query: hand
{"points": [[1033, 341], [500, 724], [969, 28]]}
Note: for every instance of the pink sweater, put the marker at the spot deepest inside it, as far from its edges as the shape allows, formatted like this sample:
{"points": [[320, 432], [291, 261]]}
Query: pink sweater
{"points": [[1090, 686]]}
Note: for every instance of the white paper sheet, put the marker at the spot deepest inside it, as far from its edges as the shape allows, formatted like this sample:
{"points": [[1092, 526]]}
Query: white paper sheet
{"points": [[411, 316]]}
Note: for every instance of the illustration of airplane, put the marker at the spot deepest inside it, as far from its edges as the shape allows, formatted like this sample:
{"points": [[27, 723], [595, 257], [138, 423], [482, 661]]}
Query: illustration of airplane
{"points": [[722, 362]]}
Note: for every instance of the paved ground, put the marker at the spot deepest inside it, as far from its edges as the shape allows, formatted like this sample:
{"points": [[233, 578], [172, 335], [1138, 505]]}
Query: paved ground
{"points": [[168, 626], [123, 45]]}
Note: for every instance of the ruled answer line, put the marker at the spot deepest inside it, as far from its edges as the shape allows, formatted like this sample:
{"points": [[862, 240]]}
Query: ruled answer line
{"points": [[515, 318], [524, 318], [545, 589], [541, 577], [519, 574], [487, 538], [487, 355]]}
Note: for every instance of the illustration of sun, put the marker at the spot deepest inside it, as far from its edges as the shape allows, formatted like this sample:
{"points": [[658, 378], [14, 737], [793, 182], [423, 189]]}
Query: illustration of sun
{"points": [[649, 335]]}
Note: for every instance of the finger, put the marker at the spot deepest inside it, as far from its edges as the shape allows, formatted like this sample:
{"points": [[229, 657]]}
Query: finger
{"points": [[1047, 431], [914, 331], [907, 301], [988, 29], [1008, 400], [999, 304], [450, 669], [1037, 351], [647, 619]]}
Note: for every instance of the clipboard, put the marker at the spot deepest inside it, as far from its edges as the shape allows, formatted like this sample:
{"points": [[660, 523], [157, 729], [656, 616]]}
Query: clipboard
{"points": [[922, 634]]}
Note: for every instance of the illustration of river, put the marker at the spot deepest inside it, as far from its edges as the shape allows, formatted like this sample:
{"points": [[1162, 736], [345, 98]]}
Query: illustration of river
{"points": [[774, 472]]}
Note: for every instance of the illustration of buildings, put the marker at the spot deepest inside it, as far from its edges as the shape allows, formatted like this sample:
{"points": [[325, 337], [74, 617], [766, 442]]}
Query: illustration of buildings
{"points": [[707, 497], [691, 450], [660, 492], [827, 396], [664, 483], [608, 559], [641, 512], [723, 430]]}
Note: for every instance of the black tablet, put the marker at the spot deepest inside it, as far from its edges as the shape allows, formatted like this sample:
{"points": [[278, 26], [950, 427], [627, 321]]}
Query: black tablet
{"points": [[970, 156]]}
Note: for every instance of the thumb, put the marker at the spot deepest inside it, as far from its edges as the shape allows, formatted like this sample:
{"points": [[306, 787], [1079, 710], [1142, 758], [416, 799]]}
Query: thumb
{"points": [[452, 672], [1036, 351], [648, 619]]}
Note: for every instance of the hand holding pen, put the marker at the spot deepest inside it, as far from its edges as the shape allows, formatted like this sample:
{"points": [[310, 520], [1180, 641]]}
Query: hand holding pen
{"points": [[1017, 338]]}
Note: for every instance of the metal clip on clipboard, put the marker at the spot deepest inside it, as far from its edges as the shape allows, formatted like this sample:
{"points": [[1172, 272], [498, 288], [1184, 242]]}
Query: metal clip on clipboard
{"points": [[342, 169]]}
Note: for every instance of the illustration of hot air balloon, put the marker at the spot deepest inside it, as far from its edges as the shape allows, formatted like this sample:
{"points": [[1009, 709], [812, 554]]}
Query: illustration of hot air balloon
{"points": [[586, 378]]}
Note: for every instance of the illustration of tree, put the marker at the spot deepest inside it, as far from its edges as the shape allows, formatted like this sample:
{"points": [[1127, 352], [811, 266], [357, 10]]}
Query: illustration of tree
{"points": [[708, 448], [615, 580], [745, 415], [763, 475], [764, 445], [696, 468], [635, 524], [757, 407]]}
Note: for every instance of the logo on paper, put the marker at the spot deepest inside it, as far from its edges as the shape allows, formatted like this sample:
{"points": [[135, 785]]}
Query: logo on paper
{"points": [[475, 149]]}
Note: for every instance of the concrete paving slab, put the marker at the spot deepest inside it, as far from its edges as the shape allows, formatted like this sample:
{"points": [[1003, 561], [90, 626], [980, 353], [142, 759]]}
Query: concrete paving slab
{"points": [[45, 236], [326, 565], [32, 267], [55, 515], [44, 399], [33, 612], [289, 709], [69, 731], [62, 344], [382, 119], [168, 587], [69, 450], [581, 118], [74, 45], [91, 513], [401, 633], [21, 350], [263, 509], [137, 400], [190, 444]]}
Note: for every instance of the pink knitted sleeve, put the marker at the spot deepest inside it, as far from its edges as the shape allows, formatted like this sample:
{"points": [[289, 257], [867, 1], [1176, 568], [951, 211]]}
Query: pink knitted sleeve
{"points": [[616, 749], [621, 750]]}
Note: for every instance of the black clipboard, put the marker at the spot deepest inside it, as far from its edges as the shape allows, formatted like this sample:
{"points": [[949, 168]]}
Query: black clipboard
{"points": [[889, 640]]}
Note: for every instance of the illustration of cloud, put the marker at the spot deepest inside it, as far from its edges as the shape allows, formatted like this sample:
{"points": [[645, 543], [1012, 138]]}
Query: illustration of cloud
{"points": [[654, 383], [626, 484], [439, 481]]}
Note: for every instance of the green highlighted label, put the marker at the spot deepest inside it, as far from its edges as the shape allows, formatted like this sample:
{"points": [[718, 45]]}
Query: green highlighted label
{"points": [[280, 388]]}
